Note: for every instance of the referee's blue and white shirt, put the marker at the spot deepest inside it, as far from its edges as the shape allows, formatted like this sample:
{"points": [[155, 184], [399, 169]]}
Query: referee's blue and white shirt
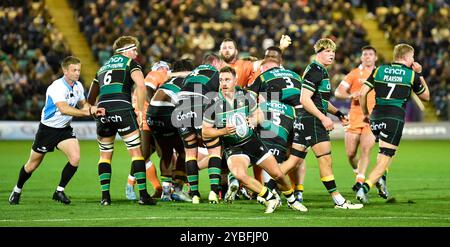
{"points": [[59, 91]]}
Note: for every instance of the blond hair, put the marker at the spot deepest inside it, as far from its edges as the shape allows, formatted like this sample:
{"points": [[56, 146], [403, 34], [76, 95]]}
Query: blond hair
{"points": [[401, 50], [125, 42], [323, 44]]}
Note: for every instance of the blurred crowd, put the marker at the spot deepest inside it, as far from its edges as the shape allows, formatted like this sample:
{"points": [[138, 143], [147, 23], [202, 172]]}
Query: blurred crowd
{"points": [[31, 48], [425, 25], [30, 52]]}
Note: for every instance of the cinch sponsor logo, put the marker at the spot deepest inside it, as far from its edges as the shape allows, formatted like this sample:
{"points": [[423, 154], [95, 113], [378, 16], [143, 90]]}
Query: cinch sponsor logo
{"points": [[275, 151], [277, 105], [379, 126], [299, 126], [187, 115], [109, 119], [394, 71]]}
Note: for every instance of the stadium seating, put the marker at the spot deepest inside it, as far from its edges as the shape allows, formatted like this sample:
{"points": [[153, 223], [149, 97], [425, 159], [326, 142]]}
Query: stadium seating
{"points": [[424, 25], [30, 52]]}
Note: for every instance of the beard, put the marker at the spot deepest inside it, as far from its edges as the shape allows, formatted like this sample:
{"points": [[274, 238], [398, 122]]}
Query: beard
{"points": [[229, 58]]}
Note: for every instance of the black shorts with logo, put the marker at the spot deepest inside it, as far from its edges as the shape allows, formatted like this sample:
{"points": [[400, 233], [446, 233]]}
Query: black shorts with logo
{"points": [[309, 130], [47, 138], [277, 150], [253, 148], [122, 122], [159, 119], [188, 115], [387, 129]]}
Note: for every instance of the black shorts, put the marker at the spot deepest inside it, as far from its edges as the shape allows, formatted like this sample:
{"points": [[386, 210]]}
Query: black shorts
{"points": [[188, 115], [278, 150], [160, 121], [253, 148], [47, 138], [387, 129], [308, 131], [122, 122]]}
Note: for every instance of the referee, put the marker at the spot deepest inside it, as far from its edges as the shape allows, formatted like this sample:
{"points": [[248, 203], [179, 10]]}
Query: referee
{"points": [[62, 98]]}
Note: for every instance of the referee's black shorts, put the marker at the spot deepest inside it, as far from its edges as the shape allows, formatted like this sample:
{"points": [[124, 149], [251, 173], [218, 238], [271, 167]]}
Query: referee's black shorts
{"points": [[47, 138]]}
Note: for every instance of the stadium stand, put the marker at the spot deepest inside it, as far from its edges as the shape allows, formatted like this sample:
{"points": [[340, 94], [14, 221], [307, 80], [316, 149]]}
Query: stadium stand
{"points": [[30, 52], [424, 25], [172, 29]]}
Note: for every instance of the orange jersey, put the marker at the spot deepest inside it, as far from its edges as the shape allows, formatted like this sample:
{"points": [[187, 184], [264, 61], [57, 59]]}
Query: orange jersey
{"points": [[244, 71], [353, 82], [154, 79]]}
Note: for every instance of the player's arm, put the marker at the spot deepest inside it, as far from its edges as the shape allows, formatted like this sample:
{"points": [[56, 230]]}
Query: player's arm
{"points": [[421, 88], [343, 91], [210, 132], [341, 116], [94, 91], [364, 91], [179, 74], [86, 110]]}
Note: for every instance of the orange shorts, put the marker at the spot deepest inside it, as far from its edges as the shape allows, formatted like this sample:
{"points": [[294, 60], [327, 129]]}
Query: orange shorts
{"points": [[359, 129]]}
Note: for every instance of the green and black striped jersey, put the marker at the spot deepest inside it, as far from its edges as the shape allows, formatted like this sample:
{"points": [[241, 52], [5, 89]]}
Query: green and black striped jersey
{"points": [[203, 79], [115, 83], [282, 85], [281, 90], [393, 84], [172, 87], [316, 80], [220, 111]]}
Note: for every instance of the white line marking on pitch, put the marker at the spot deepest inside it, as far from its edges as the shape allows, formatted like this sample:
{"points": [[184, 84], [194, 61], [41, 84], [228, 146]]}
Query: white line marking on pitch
{"points": [[229, 218]]}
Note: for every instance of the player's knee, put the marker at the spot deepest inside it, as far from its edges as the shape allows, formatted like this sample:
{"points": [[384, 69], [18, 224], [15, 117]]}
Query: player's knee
{"points": [[74, 160], [351, 154], [387, 151], [106, 146], [132, 141], [277, 175]]}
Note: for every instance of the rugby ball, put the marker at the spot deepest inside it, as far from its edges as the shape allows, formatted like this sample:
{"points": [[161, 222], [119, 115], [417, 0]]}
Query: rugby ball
{"points": [[240, 122]]}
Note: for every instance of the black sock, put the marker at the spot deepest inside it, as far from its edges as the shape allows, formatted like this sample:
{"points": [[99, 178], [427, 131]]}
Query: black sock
{"points": [[23, 177], [214, 171], [366, 187], [67, 174], [132, 171], [104, 172], [330, 185], [139, 174], [192, 176], [272, 184]]}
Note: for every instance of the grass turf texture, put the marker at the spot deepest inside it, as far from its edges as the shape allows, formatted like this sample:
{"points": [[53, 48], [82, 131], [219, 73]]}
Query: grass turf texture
{"points": [[418, 179]]}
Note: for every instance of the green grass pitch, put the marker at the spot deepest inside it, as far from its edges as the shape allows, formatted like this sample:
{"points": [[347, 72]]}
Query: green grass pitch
{"points": [[418, 179]]}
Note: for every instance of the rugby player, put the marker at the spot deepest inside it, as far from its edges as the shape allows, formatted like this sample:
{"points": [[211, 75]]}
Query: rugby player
{"points": [[393, 84]]}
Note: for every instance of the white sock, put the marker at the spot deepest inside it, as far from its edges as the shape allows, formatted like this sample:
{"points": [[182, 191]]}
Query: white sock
{"points": [[338, 199], [59, 188], [131, 178], [266, 176], [17, 190]]}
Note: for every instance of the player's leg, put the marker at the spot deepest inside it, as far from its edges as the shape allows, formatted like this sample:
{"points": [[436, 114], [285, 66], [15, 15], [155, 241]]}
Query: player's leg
{"points": [[238, 165], [148, 148], [190, 142], [71, 148], [106, 145], [33, 162], [352, 140], [297, 176], [384, 158], [166, 164], [214, 167], [133, 142], [322, 150], [367, 141]]}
